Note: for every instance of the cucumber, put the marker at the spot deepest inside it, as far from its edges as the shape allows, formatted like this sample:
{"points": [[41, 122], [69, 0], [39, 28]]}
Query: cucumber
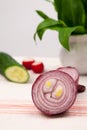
{"points": [[12, 70]]}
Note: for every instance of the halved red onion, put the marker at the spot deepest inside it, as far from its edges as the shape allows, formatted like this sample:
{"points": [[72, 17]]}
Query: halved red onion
{"points": [[54, 92], [72, 71]]}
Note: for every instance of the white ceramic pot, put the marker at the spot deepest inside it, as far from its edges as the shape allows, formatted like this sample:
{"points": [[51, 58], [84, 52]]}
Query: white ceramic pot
{"points": [[77, 57]]}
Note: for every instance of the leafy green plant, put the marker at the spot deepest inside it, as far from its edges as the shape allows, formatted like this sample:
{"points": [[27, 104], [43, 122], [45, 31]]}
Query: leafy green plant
{"points": [[71, 20]]}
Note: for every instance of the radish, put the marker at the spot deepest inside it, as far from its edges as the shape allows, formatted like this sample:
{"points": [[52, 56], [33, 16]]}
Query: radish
{"points": [[37, 67], [28, 63]]}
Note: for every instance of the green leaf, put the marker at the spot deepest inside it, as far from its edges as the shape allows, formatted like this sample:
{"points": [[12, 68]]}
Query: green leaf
{"points": [[42, 14], [58, 7], [59, 26], [73, 14], [39, 33], [47, 24], [85, 8], [64, 34]]}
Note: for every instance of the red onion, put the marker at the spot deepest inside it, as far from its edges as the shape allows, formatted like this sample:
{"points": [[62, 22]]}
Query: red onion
{"points": [[54, 92], [72, 71], [81, 88]]}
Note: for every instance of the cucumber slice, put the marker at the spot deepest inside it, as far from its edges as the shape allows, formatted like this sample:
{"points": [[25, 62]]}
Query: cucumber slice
{"points": [[16, 74], [12, 70]]}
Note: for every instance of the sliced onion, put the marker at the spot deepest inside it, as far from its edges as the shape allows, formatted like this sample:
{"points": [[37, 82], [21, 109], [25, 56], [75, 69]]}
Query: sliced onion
{"points": [[72, 71], [54, 92]]}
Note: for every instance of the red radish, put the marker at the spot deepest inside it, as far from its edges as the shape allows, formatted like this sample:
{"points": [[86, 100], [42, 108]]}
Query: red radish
{"points": [[28, 63], [54, 92], [37, 67]]}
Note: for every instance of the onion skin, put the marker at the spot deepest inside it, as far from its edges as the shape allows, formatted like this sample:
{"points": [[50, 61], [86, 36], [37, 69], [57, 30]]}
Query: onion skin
{"points": [[54, 92]]}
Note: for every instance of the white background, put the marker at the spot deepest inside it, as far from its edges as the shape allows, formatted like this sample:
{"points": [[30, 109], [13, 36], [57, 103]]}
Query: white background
{"points": [[18, 22]]}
